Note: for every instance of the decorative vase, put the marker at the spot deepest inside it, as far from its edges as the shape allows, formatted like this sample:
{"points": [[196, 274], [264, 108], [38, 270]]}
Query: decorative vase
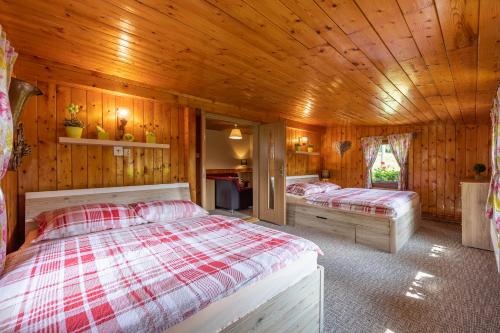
{"points": [[74, 132], [297, 147], [103, 135], [310, 149], [150, 138]]}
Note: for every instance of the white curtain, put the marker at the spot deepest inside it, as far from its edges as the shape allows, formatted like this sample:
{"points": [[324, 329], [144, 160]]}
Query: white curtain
{"points": [[370, 145], [7, 58], [493, 202], [400, 145]]}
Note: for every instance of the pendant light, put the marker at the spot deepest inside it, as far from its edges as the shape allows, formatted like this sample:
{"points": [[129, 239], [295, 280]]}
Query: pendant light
{"points": [[235, 133]]}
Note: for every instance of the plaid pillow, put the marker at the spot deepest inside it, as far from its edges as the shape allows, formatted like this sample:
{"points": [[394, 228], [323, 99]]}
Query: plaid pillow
{"points": [[83, 219], [327, 186], [167, 210], [303, 189]]}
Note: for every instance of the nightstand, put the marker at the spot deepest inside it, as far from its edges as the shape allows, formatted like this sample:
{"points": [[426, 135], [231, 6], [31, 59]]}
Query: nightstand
{"points": [[475, 225]]}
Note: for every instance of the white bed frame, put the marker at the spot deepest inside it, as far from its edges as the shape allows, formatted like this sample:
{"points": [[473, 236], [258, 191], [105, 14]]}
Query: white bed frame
{"points": [[298, 308], [495, 242], [381, 232]]}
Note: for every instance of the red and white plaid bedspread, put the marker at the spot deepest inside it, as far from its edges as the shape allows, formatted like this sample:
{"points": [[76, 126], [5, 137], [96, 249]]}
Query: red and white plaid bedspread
{"points": [[369, 201], [144, 278]]}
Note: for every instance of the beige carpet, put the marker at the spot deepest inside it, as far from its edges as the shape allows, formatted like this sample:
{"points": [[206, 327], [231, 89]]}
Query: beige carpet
{"points": [[432, 285]]}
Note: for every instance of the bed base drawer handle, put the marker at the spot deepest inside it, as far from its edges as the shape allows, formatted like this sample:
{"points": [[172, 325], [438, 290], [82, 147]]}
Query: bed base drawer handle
{"points": [[321, 217]]}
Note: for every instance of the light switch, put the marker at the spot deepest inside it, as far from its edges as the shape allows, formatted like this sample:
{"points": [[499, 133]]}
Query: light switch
{"points": [[118, 151]]}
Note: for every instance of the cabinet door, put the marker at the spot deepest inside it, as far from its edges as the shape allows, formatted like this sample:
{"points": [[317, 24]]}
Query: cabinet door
{"points": [[475, 225]]}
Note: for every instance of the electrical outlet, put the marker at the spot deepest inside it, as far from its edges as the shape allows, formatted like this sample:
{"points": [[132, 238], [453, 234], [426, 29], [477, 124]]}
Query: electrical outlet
{"points": [[118, 151]]}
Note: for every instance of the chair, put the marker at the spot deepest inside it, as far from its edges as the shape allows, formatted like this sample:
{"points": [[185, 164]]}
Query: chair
{"points": [[230, 195]]}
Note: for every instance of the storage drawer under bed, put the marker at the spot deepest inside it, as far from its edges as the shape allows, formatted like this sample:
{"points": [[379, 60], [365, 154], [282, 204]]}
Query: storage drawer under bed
{"points": [[359, 228]]}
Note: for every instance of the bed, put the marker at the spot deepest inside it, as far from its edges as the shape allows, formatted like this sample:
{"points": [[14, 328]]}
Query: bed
{"points": [[288, 297], [383, 232], [495, 242]]}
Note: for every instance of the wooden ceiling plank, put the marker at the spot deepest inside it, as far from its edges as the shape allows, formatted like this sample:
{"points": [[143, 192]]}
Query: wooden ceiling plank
{"points": [[459, 25], [362, 62], [488, 64], [326, 56], [233, 10], [423, 23], [288, 21], [314, 16], [389, 23], [354, 24], [246, 14]]}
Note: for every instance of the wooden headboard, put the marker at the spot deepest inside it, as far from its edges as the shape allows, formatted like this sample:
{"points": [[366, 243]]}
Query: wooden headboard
{"points": [[301, 179], [39, 202]]}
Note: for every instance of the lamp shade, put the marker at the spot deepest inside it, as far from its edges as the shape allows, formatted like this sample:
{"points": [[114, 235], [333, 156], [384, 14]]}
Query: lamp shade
{"points": [[235, 134]]}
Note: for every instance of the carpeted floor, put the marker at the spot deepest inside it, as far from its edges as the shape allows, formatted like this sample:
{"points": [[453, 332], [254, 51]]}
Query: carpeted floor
{"points": [[432, 285]]}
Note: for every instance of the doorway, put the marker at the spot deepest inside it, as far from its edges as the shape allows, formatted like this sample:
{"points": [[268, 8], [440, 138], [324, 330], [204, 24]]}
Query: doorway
{"points": [[229, 166], [261, 167]]}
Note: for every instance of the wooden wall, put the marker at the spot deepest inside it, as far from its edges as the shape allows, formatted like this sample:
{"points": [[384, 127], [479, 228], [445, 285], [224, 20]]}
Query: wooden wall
{"points": [[302, 164], [54, 166], [441, 156]]}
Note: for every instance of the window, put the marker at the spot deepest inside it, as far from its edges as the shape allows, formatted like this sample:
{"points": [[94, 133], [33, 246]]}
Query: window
{"points": [[385, 170]]}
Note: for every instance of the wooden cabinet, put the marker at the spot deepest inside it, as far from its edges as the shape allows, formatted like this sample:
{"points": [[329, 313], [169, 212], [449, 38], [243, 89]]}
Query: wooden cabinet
{"points": [[475, 226]]}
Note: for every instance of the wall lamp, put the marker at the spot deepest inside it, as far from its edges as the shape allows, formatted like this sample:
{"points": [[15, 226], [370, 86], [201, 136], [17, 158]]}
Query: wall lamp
{"points": [[122, 115]]}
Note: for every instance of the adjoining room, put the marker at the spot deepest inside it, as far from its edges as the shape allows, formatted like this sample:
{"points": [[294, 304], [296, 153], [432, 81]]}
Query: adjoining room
{"points": [[228, 164]]}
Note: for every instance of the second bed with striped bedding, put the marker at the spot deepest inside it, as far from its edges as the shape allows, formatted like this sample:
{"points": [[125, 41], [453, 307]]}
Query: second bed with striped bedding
{"points": [[368, 201]]}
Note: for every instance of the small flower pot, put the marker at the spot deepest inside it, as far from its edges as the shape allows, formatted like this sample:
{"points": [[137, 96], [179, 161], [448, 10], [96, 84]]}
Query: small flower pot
{"points": [[74, 132], [309, 149], [150, 138], [297, 147]]}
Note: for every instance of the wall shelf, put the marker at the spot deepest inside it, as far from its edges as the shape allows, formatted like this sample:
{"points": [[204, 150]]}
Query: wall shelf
{"points": [[111, 143], [314, 153]]}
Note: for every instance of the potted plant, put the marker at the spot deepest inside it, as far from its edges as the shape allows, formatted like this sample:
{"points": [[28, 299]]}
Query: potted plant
{"points": [[128, 137], [150, 136], [74, 127], [297, 147], [478, 169], [310, 148]]}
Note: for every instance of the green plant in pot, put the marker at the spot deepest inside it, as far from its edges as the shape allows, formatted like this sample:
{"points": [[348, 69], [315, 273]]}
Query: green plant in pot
{"points": [[478, 169], [297, 147], [150, 137], [74, 126]]}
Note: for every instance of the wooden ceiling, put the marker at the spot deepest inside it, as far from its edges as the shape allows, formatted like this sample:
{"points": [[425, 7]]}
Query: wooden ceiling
{"points": [[319, 61]]}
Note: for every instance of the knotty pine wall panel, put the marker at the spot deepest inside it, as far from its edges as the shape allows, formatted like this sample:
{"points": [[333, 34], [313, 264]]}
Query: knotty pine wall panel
{"points": [[298, 164], [441, 155], [54, 166]]}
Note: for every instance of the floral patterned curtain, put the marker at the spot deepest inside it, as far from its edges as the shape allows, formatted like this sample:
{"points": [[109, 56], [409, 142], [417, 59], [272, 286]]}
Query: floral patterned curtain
{"points": [[493, 202], [7, 58], [370, 145], [400, 145]]}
